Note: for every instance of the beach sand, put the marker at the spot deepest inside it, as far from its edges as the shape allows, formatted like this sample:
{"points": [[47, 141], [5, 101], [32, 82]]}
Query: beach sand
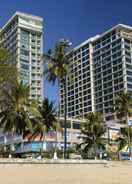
{"points": [[115, 173]]}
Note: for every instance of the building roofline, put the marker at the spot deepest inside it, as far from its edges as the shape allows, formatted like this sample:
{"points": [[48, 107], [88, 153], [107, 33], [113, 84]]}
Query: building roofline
{"points": [[29, 15], [17, 13], [95, 38], [83, 43], [115, 27], [91, 39]]}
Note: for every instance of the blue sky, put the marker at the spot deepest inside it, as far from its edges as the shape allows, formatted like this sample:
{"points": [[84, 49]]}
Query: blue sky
{"points": [[76, 20]]}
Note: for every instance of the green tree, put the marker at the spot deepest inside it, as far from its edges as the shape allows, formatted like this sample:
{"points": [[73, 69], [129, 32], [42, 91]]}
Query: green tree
{"points": [[45, 121], [8, 71], [15, 116], [123, 109], [123, 139], [92, 131], [57, 69]]}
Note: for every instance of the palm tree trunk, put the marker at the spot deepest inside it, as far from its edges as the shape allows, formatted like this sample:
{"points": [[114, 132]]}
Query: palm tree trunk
{"points": [[43, 141], [128, 133], [56, 141], [65, 121], [108, 135], [55, 157], [95, 156], [58, 116], [130, 152]]}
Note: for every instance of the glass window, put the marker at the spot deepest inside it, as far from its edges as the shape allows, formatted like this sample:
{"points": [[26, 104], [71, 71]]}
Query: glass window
{"points": [[129, 86], [24, 61], [129, 66], [76, 126], [129, 73], [24, 66], [129, 79], [128, 60], [24, 39], [24, 52]]}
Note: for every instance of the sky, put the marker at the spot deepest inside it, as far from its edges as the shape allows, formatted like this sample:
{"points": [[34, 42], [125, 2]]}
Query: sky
{"points": [[75, 20]]}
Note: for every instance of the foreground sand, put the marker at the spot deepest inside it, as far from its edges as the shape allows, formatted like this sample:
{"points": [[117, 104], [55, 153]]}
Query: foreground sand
{"points": [[115, 173]]}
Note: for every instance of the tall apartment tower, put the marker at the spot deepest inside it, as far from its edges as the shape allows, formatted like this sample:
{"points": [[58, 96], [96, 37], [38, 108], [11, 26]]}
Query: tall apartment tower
{"points": [[22, 36], [80, 96], [102, 67]]}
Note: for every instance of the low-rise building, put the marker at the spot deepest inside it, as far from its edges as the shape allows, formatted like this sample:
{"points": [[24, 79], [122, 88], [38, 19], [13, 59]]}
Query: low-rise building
{"points": [[51, 139]]}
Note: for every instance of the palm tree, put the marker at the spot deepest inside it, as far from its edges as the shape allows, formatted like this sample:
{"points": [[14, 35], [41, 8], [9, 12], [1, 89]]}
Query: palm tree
{"points": [[8, 71], [123, 139], [46, 120], [7, 68], [123, 108], [93, 129], [15, 117], [57, 70]]}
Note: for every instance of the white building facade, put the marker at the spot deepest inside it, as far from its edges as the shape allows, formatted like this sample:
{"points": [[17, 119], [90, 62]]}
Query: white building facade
{"points": [[22, 36], [101, 68]]}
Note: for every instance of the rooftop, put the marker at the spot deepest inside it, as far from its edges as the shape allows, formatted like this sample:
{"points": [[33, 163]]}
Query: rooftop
{"points": [[92, 39], [21, 14]]}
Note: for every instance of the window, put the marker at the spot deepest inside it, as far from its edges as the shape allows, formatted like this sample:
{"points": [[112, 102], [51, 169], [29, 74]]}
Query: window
{"points": [[24, 39], [24, 66], [86, 47], [128, 60], [129, 79], [129, 66], [115, 62], [24, 52], [129, 86], [24, 61], [127, 41], [129, 73], [128, 53], [76, 126]]}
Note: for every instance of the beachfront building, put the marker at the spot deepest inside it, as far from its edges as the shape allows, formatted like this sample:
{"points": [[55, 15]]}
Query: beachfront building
{"points": [[80, 90], [18, 145], [22, 36], [101, 68]]}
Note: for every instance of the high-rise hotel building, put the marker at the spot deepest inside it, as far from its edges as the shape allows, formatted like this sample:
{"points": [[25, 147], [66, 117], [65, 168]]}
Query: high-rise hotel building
{"points": [[22, 36], [79, 89], [101, 68]]}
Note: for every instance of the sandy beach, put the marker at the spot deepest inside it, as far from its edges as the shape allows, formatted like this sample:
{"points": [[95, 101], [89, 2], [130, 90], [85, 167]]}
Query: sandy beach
{"points": [[115, 173]]}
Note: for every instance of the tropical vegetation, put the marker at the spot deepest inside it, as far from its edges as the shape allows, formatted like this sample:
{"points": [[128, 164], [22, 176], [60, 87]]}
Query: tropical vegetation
{"points": [[14, 115], [92, 131], [23, 116], [18, 113], [8, 72], [123, 139], [57, 69], [123, 109]]}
